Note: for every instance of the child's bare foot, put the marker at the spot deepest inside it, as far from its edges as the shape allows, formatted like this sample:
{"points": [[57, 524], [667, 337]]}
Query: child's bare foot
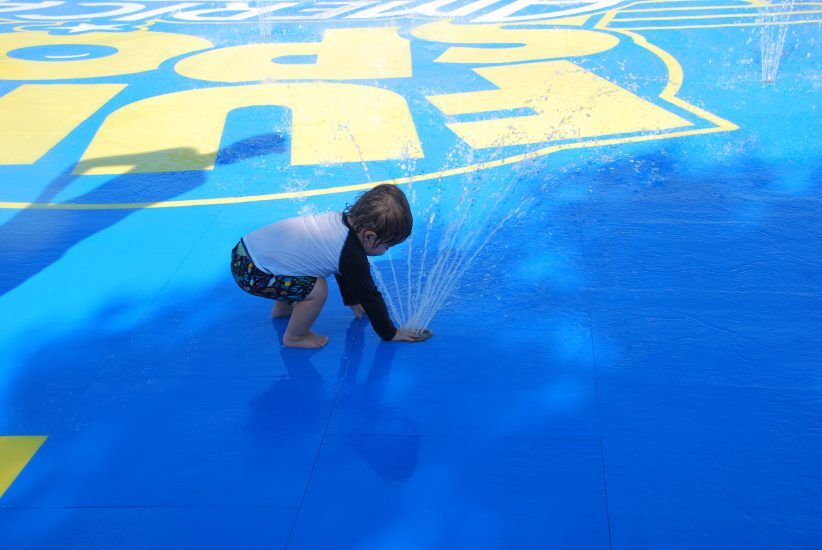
{"points": [[310, 340], [281, 309]]}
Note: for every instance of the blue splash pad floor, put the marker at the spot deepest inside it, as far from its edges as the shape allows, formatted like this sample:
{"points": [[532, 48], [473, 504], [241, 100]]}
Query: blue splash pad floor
{"points": [[634, 364]]}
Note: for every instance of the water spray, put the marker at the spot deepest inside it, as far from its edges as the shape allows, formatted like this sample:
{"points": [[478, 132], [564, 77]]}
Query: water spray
{"points": [[772, 20]]}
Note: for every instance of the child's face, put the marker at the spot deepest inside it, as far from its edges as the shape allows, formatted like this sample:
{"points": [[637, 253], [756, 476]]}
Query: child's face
{"points": [[371, 245]]}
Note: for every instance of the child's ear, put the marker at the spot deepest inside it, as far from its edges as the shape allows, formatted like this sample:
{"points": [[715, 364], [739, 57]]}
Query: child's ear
{"points": [[369, 236]]}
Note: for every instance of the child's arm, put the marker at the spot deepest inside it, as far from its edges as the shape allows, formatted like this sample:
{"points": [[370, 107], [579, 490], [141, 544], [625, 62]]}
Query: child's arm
{"points": [[357, 287], [348, 299]]}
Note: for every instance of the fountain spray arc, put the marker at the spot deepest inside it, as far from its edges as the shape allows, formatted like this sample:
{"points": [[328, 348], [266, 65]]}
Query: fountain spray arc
{"points": [[456, 234], [458, 227], [772, 21], [454, 237]]}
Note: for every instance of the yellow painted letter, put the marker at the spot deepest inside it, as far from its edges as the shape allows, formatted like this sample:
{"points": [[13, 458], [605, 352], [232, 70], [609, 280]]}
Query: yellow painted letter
{"points": [[181, 131], [135, 52], [526, 44], [35, 117], [568, 102], [343, 54]]}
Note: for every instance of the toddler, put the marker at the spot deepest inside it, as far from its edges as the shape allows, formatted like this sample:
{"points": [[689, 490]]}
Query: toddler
{"points": [[288, 261]]}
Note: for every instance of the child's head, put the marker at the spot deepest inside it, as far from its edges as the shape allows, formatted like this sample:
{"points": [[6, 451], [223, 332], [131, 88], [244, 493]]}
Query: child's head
{"points": [[381, 217]]}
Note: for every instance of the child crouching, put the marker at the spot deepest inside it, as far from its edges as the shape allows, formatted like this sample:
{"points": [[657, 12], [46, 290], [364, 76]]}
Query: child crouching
{"points": [[288, 261]]}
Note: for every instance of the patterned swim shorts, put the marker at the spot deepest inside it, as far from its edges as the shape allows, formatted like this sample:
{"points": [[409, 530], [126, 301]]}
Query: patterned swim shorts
{"points": [[283, 288]]}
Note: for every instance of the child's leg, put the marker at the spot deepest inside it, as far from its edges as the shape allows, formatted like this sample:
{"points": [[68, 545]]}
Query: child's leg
{"points": [[281, 309], [298, 334]]}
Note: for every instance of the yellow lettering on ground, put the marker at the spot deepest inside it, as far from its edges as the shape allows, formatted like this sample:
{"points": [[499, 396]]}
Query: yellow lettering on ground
{"points": [[527, 44], [15, 453], [35, 117], [568, 103], [343, 54], [136, 52], [331, 123]]}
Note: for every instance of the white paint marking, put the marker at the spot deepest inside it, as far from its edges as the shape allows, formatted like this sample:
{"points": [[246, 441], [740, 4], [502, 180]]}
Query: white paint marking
{"points": [[67, 56]]}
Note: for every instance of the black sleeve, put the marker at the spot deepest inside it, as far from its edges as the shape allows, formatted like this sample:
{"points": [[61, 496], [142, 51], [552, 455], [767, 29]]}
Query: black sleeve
{"points": [[357, 286], [347, 298]]}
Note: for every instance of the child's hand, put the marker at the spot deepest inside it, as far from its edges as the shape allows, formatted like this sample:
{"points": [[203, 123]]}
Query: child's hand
{"points": [[405, 336], [358, 311]]}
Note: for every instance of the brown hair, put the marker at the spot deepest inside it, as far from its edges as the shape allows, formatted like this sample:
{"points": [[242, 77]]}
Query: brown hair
{"points": [[383, 210]]}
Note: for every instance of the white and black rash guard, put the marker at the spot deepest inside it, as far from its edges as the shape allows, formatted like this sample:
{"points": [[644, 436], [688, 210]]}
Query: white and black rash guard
{"points": [[319, 246]]}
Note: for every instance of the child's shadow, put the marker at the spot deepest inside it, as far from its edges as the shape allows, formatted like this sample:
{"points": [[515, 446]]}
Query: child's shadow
{"points": [[297, 402], [392, 451], [385, 439]]}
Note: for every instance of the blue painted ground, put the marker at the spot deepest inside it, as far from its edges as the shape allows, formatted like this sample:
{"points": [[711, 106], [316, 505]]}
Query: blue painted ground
{"points": [[633, 364]]}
